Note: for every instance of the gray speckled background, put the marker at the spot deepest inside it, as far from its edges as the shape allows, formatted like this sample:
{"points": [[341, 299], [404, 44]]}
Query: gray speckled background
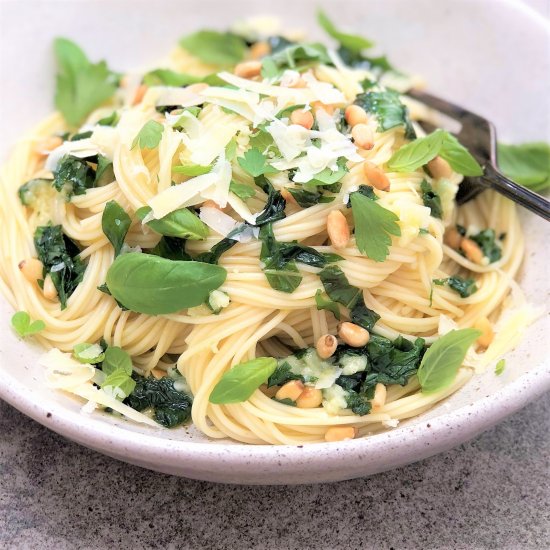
{"points": [[490, 493]]}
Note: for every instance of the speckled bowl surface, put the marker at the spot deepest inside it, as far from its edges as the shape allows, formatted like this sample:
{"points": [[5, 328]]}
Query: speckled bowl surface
{"points": [[490, 56]]}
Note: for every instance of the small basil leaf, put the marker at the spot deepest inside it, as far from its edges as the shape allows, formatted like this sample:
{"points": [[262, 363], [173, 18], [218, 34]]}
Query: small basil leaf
{"points": [[240, 382], [443, 359], [243, 191], [116, 359], [326, 303], [115, 223], [21, 323], [119, 384], [458, 157], [88, 353], [181, 223], [149, 284], [417, 153], [431, 199]]}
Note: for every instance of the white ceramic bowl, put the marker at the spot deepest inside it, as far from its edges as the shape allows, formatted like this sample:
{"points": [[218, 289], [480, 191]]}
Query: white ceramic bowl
{"points": [[488, 56]]}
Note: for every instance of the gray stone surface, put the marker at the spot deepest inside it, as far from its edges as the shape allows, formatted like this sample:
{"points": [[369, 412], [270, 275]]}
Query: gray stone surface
{"points": [[490, 493]]}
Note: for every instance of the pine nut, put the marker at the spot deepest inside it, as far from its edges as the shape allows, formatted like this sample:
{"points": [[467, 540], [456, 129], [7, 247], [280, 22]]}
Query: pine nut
{"points": [[31, 269], [45, 146], [326, 346], [439, 168], [259, 50], [362, 136], [338, 229], [353, 335], [49, 291], [329, 109], [376, 176], [355, 115], [310, 398], [140, 93], [472, 250], [484, 325], [270, 392], [248, 69], [379, 399], [302, 118], [340, 433], [196, 88], [453, 238], [298, 83], [291, 390]]}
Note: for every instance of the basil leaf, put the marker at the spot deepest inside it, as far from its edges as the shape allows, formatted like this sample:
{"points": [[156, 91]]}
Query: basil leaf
{"points": [[149, 284], [181, 223], [240, 382], [326, 303], [21, 323], [116, 359], [215, 47], [363, 316], [351, 42], [73, 176], [458, 157], [443, 359], [291, 56], [81, 85], [243, 191], [255, 163], [115, 223], [417, 153], [118, 384], [171, 248], [373, 227], [149, 136], [431, 199], [89, 353], [61, 260], [527, 164]]}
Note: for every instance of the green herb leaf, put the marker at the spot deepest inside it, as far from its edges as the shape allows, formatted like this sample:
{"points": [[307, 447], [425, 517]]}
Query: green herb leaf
{"points": [[118, 384], [191, 169], [171, 248], [327, 303], [104, 172], [458, 157], [255, 163], [499, 367], [443, 359], [292, 57], [527, 164], [21, 323], [81, 85], [73, 176], [240, 382], [217, 48], [31, 192], [329, 177], [464, 287], [171, 407], [282, 374], [417, 153], [351, 42], [373, 227], [149, 136], [115, 223], [431, 199], [486, 240], [275, 206], [61, 260], [243, 191], [181, 223], [89, 353], [116, 359], [110, 120], [307, 198], [153, 285], [338, 288]]}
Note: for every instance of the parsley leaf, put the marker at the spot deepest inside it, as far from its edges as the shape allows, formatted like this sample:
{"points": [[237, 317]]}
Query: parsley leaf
{"points": [[243, 191], [351, 42], [149, 136], [373, 227], [81, 85], [255, 163], [21, 323], [217, 48], [431, 199], [527, 164]]}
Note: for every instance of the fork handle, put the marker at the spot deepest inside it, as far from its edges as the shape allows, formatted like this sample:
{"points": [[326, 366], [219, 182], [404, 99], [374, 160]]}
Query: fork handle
{"points": [[517, 193]]}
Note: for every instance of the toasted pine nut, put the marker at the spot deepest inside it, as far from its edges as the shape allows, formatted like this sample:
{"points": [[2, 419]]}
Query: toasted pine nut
{"points": [[49, 291], [47, 145], [362, 136], [327, 108], [484, 325], [302, 118], [291, 390], [340, 433], [453, 238], [338, 229], [140, 93], [379, 399], [472, 250], [355, 115], [310, 398], [353, 335], [326, 346], [298, 83], [196, 88], [248, 69], [439, 168], [31, 269], [270, 392], [158, 373], [376, 176], [259, 50]]}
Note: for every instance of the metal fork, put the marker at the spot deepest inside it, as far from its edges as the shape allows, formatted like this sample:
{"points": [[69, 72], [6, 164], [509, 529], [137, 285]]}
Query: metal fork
{"points": [[478, 135]]}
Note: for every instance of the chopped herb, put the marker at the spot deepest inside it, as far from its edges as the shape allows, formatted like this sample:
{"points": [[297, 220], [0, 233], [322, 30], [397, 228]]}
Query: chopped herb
{"points": [[21, 323], [149, 136], [255, 163], [286, 401], [104, 172], [275, 206], [61, 260], [171, 248], [464, 287], [431, 199], [499, 367], [486, 240], [213, 256], [89, 353], [216, 48], [327, 303], [31, 192], [307, 198], [282, 374], [527, 164], [73, 176]]}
